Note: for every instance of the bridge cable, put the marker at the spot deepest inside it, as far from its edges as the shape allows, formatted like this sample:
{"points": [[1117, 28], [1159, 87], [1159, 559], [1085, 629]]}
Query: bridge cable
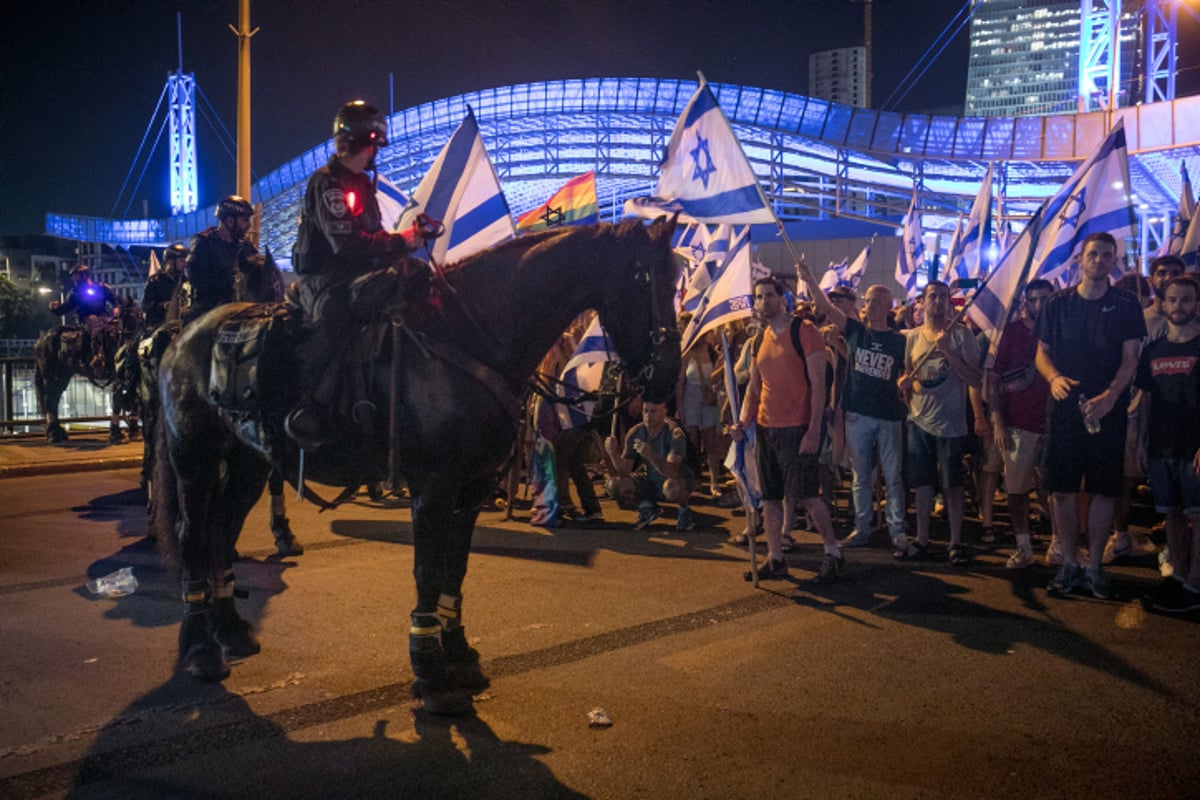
{"points": [[149, 125]]}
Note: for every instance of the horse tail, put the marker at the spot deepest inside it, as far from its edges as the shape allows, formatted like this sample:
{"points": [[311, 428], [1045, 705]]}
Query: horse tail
{"points": [[164, 499]]}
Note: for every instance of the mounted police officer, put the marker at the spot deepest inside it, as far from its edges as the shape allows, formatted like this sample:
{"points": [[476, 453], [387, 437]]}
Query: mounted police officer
{"points": [[341, 237], [162, 285], [219, 254], [91, 302]]}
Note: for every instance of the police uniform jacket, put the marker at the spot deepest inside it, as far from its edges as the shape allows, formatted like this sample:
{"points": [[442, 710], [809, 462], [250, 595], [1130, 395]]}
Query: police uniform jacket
{"points": [[211, 267], [341, 232], [160, 288]]}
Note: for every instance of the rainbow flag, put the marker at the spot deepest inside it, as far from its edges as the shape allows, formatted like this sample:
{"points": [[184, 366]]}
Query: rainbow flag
{"points": [[573, 204]]}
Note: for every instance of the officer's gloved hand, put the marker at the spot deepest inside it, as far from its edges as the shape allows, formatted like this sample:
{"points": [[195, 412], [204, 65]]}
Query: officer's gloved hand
{"points": [[428, 227]]}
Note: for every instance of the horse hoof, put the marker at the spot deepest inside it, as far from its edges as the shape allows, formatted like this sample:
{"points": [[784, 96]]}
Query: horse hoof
{"points": [[239, 643], [289, 547], [448, 701], [56, 436], [469, 676], [206, 663]]}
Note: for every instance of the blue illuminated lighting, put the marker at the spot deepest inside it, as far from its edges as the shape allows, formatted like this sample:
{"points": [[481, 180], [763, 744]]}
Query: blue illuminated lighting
{"points": [[817, 161]]}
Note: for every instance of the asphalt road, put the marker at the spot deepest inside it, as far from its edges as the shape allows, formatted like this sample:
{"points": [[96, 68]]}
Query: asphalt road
{"points": [[900, 681]]}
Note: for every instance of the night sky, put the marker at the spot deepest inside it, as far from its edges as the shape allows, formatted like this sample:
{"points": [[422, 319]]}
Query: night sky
{"points": [[79, 80]]}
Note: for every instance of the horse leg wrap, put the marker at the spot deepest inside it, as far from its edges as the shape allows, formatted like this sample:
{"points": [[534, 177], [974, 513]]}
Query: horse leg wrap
{"points": [[233, 633], [450, 611], [462, 660], [425, 646], [197, 597], [199, 653]]}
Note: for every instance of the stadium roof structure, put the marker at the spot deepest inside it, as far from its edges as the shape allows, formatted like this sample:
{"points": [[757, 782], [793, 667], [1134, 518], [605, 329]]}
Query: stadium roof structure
{"points": [[817, 161]]}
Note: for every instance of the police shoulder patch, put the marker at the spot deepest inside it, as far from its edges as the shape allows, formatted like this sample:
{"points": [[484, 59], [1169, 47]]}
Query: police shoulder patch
{"points": [[335, 200]]}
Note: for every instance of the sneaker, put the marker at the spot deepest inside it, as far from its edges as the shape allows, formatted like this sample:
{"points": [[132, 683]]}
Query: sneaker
{"points": [[1164, 563], [770, 570], [595, 516], [1123, 544], [1020, 559], [831, 567], [1162, 592], [900, 543], [856, 539], [646, 515], [1180, 602], [1068, 579], [1054, 553], [1097, 583], [686, 520]]}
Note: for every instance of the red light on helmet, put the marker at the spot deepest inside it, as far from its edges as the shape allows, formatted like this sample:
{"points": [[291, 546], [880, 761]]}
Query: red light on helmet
{"points": [[352, 202]]}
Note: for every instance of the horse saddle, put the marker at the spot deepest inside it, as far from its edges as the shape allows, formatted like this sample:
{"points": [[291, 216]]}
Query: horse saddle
{"points": [[71, 344], [250, 347]]}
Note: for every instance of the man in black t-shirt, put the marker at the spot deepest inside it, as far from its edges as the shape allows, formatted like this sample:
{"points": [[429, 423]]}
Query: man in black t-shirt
{"points": [[1169, 375], [874, 409], [1088, 342]]}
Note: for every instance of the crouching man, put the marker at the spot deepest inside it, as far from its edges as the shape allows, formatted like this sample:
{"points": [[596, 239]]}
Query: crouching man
{"points": [[652, 468]]}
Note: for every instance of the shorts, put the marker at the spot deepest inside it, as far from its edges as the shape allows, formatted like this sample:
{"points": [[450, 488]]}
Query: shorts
{"points": [[698, 415], [1075, 456], [1022, 464], [1174, 484], [926, 457], [782, 470]]}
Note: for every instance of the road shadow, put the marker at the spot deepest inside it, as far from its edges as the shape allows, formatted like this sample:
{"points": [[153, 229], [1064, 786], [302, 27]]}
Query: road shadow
{"points": [[573, 545], [921, 598], [157, 599], [127, 509], [190, 740]]}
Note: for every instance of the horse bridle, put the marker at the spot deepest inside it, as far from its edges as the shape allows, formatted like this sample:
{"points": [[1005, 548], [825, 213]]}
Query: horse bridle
{"points": [[659, 335]]}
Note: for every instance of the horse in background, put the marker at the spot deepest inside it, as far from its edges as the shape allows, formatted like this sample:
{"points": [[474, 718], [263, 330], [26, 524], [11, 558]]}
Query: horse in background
{"points": [[453, 370], [68, 350]]}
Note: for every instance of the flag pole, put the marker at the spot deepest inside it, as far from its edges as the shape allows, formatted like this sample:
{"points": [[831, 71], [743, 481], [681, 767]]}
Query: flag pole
{"points": [[735, 413]]}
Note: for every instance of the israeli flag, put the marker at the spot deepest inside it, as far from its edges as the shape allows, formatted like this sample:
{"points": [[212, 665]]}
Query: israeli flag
{"points": [[1096, 198], [977, 235], [955, 268], [853, 274], [712, 258], [911, 257], [729, 297], [1183, 216], [392, 203], [833, 275], [461, 189], [583, 374], [705, 176]]}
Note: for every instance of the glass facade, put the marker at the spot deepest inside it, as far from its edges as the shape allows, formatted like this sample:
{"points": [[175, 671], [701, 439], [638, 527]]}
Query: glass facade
{"points": [[1024, 57]]}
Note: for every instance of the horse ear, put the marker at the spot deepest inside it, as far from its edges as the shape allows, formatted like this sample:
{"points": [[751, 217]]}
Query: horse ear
{"points": [[663, 228]]}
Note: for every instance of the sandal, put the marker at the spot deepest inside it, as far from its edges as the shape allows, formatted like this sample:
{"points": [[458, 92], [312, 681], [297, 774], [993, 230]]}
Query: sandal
{"points": [[742, 539], [959, 556], [914, 552], [988, 536], [789, 544]]}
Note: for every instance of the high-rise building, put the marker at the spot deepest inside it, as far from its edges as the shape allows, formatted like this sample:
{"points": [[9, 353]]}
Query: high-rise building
{"points": [[839, 75], [1024, 57]]}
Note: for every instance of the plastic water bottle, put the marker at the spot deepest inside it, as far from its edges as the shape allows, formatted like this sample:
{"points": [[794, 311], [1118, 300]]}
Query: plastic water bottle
{"points": [[115, 584], [1089, 422]]}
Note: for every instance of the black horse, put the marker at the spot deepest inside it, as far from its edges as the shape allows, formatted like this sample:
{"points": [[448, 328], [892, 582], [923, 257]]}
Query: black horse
{"points": [[68, 350], [464, 365]]}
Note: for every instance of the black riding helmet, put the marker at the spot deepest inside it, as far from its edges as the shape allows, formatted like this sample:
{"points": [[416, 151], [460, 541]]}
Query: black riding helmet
{"points": [[358, 125], [232, 206], [175, 251]]}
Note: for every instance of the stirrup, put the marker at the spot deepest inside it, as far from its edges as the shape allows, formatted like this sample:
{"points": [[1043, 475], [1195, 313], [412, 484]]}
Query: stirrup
{"points": [[307, 424]]}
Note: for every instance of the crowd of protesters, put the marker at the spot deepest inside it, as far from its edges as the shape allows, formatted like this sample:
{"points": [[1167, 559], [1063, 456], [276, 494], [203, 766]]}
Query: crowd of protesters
{"points": [[1089, 393]]}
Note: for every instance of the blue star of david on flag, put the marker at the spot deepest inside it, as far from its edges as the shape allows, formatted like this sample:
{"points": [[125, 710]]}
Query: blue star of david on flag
{"points": [[702, 158], [1069, 218]]}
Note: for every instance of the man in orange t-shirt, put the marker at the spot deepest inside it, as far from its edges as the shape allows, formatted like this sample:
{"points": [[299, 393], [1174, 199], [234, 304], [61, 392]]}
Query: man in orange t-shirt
{"points": [[786, 399]]}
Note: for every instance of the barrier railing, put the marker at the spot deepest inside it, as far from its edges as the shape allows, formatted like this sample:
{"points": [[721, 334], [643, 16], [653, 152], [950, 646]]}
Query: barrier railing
{"points": [[82, 402]]}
